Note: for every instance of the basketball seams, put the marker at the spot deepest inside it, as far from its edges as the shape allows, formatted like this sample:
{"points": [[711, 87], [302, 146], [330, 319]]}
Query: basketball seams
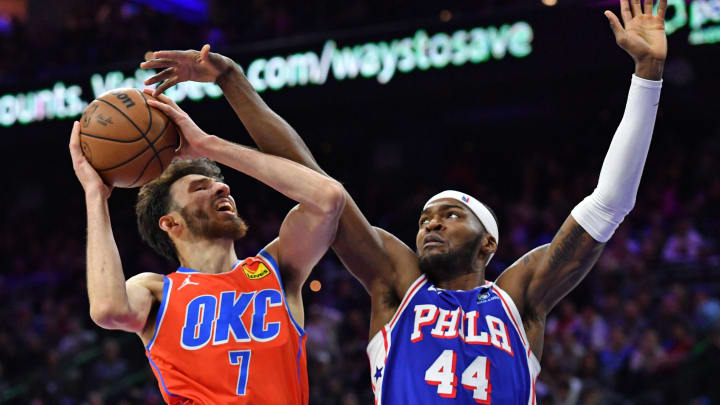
{"points": [[150, 122], [141, 152], [155, 143], [142, 134], [148, 164], [105, 138]]}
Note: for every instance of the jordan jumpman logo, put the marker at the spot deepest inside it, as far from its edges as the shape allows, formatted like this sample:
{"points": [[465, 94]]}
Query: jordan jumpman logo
{"points": [[187, 282]]}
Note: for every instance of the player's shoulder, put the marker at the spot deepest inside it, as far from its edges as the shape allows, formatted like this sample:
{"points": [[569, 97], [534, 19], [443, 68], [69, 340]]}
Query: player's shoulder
{"points": [[149, 280], [523, 267], [147, 276], [270, 252], [406, 269], [398, 252], [515, 279]]}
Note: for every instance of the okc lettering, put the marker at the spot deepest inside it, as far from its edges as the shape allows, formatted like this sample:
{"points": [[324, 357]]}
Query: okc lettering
{"points": [[452, 324], [204, 323]]}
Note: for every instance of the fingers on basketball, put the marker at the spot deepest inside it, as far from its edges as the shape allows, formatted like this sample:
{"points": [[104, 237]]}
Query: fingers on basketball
{"points": [[126, 142], [75, 150]]}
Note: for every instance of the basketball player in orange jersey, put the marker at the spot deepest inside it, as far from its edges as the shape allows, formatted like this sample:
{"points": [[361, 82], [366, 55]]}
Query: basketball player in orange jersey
{"points": [[218, 330], [439, 331]]}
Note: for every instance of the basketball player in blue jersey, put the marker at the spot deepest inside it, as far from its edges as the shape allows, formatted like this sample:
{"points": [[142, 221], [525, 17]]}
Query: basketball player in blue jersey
{"points": [[440, 332]]}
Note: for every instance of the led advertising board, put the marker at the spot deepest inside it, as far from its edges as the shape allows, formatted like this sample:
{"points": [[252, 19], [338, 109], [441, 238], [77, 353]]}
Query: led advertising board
{"points": [[380, 60]]}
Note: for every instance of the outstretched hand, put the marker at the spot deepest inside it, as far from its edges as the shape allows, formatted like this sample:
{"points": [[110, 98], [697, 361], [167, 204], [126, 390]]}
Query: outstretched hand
{"points": [[191, 136], [89, 178], [642, 35], [181, 66]]}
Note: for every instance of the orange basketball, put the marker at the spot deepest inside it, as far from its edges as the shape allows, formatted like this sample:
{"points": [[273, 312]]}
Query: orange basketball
{"points": [[128, 142]]}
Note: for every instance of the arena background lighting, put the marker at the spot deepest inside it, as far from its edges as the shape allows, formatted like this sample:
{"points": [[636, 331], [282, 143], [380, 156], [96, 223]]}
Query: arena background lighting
{"points": [[346, 59], [513, 101], [381, 60]]}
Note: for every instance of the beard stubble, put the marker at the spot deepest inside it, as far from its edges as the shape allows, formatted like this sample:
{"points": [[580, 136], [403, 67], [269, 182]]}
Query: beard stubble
{"points": [[442, 266], [199, 223]]}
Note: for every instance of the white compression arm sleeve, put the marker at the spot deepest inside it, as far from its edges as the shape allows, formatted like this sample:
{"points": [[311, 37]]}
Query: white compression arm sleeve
{"points": [[601, 212]]}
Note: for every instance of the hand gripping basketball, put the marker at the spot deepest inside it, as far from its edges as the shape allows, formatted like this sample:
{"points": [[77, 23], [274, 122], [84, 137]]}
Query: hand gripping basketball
{"points": [[128, 142], [191, 136], [89, 178]]}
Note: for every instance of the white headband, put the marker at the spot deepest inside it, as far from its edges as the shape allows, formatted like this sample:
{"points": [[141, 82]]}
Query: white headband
{"points": [[479, 209]]}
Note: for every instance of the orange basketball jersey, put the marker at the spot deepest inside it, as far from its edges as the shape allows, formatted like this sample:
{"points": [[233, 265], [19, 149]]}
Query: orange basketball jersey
{"points": [[228, 338]]}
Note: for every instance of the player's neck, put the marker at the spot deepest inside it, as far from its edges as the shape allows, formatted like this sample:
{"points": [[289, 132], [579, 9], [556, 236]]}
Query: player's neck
{"points": [[466, 281], [208, 256]]}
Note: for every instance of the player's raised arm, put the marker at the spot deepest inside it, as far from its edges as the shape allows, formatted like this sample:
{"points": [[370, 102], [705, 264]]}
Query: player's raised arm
{"points": [[543, 277], [114, 304], [310, 227], [369, 254]]}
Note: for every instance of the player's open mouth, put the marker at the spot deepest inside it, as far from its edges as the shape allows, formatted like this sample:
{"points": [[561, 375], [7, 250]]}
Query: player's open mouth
{"points": [[224, 206]]}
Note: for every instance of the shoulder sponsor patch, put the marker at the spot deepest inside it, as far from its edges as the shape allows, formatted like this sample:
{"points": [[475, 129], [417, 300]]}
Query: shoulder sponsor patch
{"points": [[486, 295], [255, 270]]}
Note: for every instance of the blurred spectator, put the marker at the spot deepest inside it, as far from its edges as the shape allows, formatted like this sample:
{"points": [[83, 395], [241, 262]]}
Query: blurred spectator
{"points": [[76, 338], [647, 357], [685, 245], [616, 354], [110, 367], [592, 329]]}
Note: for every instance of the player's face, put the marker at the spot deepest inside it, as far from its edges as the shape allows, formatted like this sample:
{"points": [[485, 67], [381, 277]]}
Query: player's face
{"points": [[207, 207], [446, 226]]}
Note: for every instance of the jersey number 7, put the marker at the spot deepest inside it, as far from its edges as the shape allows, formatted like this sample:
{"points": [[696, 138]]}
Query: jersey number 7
{"points": [[241, 358], [476, 377]]}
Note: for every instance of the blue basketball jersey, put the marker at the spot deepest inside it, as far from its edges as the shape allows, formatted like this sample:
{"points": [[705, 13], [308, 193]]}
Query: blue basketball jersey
{"points": [[444, 346]]}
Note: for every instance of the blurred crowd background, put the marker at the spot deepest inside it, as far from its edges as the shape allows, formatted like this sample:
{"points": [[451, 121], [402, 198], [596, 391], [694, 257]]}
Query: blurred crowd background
{"points": [[642, 328]]}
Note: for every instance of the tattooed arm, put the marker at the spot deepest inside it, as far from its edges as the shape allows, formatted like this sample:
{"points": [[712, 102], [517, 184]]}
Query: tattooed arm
{"points": [[540, 279]]}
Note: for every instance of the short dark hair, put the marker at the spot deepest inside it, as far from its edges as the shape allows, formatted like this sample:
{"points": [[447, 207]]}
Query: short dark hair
{"points": [[154, 201]]}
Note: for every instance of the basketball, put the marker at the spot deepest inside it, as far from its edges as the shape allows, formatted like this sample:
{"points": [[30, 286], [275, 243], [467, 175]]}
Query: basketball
{"points": [[128, 142]]}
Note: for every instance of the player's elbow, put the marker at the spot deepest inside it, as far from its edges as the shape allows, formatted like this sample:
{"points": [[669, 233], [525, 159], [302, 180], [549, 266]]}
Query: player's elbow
{"points": [[333, 199], [102, 315], [109, 316]]}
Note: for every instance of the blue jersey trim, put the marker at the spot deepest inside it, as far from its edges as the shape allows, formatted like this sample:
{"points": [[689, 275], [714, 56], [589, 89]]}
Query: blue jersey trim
{"points": [[167, 283], [265, 255], [152, 363], [186, 270], [300, 349]]}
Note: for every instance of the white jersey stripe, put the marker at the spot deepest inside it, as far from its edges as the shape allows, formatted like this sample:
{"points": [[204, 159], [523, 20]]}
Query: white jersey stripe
{"points": [[414, 287], [377, 356], [379, 346], [514, 315]]}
